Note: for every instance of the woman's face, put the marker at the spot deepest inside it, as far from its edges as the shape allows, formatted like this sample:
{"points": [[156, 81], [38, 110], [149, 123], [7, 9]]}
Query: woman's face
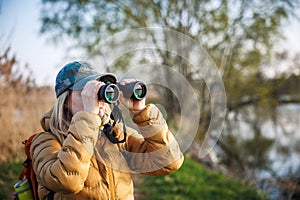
{"points": [[76, 104]]}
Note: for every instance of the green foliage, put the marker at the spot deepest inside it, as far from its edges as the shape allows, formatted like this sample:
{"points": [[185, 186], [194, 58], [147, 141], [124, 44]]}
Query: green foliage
{"points": [[9, 174], [191, 181], [238, 35], [195, 181], [244, 25]]}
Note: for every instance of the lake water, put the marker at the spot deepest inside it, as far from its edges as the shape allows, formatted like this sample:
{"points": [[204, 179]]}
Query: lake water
{"points": [[283, 127], [285, 154]]}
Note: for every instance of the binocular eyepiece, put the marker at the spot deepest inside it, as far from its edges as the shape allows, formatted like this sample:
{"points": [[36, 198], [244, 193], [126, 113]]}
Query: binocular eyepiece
{"points": [[110, 92]]}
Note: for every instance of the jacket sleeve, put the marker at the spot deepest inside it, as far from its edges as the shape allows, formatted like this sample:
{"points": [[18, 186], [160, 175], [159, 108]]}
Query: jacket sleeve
{"points": [[156, 152], [64, 167]]}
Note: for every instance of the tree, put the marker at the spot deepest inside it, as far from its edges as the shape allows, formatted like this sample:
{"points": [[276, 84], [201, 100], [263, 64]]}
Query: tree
{"points": [[239, 35]]}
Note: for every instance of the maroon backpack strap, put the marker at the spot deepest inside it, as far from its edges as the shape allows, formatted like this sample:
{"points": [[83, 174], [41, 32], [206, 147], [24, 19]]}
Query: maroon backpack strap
{"points": [[34, 184], [23, 172], [27, 144], [26, 163], [27, 170]]}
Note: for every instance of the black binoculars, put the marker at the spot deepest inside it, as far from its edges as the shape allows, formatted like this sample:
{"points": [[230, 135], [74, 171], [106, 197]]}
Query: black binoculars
{"points": [[110, 92]]}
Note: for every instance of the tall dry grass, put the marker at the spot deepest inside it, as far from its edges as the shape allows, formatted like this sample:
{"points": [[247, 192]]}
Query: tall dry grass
{"points": [[21, 106]]}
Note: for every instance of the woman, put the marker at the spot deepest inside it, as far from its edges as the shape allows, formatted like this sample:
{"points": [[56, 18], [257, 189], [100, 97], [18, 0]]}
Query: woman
{"points": [[74, 159]]}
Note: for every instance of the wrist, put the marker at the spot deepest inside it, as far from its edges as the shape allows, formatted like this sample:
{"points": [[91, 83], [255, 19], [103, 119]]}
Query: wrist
{"points": [[150, 115], [137, 111]]}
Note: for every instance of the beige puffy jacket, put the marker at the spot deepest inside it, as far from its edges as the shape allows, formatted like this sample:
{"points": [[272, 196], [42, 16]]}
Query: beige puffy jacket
{"points": [[86, 165]]}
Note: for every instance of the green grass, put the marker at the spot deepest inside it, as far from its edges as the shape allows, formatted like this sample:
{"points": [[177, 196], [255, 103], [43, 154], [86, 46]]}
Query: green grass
{"points": [[195, 181], [192, 181], [9, 174]]}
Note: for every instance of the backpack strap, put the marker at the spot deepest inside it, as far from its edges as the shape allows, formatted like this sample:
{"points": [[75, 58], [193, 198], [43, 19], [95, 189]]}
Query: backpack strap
{"points": [[27, 162], [28, 168], [27, 144], [24, 170]]}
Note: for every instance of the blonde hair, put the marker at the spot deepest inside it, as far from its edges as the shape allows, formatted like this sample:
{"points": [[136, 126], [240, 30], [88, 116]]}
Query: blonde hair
{"points": [[61, 116]]}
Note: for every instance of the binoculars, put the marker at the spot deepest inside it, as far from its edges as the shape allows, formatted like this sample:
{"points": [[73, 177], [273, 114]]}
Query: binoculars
{"points": [[110, 92]]}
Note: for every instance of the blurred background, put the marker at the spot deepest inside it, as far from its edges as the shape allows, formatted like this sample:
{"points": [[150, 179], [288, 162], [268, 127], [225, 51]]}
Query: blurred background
{"points": [[254, 44]]}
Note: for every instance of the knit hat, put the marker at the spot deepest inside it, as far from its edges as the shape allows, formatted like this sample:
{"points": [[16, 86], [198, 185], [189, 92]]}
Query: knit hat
{"points": [[76, 74]]}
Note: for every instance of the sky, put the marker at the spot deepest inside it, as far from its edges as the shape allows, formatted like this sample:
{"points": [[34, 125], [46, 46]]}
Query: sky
{"points": [[20, 24]]}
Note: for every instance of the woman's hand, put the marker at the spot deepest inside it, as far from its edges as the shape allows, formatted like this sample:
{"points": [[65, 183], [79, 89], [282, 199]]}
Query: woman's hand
{"points": [[89, 96], [133, 105]]}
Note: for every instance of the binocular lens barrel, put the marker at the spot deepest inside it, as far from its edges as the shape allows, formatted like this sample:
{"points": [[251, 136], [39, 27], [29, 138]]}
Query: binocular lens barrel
{"points": [[110, 92], [134, 90]]}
